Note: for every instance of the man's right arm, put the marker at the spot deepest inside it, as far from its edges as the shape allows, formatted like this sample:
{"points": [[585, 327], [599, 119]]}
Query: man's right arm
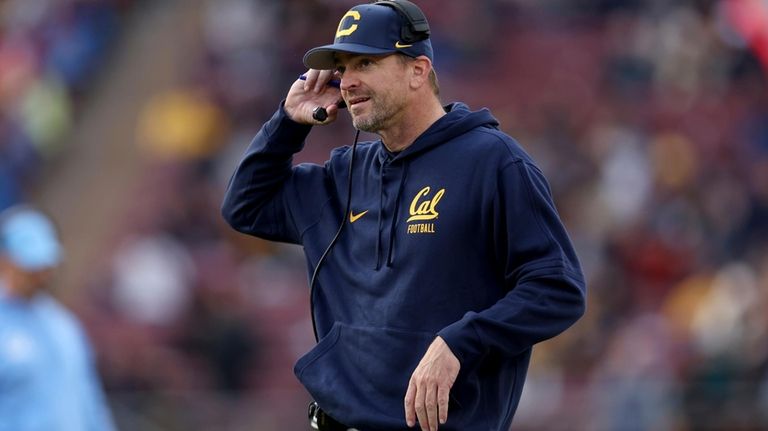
{"points": [[268, 197], [258, 197]]}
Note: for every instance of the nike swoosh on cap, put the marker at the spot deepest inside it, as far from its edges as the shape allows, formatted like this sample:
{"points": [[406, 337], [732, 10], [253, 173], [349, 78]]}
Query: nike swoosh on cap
{"points": [[399, 45]]}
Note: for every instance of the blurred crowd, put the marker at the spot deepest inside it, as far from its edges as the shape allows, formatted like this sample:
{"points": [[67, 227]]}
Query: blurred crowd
{"points": [[50, 54], [649, 118]]}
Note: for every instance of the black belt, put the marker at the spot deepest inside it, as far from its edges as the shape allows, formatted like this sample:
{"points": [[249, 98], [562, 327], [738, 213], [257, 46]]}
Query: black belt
{"points": [[319, 420]]}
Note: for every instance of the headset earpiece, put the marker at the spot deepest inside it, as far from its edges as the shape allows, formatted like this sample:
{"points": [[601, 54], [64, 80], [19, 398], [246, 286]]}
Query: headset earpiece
{"points": [[417, 27]]}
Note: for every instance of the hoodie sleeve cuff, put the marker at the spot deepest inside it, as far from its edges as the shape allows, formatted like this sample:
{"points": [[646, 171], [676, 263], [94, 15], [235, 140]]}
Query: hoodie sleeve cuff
{"points": [[463, 340], [282, 129]]}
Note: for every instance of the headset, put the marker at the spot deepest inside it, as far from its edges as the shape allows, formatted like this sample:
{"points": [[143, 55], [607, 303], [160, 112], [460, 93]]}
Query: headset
{"points": [[416, 27]]}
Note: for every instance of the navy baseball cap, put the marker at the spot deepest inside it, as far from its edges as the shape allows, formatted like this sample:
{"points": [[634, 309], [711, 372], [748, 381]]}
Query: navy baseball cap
{"points": [[375, 29], [28, 239]]}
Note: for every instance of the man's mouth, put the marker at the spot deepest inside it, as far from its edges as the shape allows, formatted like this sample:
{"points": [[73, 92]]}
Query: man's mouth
{"points": [[355, 100]]}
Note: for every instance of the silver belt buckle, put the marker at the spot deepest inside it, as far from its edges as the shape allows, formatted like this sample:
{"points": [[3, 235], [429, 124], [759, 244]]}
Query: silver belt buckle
{"points": [[313, 410], [313, 416]]}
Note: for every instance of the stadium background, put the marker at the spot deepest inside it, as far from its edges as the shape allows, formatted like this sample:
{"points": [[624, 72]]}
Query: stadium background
{"points": [[124, 118]]}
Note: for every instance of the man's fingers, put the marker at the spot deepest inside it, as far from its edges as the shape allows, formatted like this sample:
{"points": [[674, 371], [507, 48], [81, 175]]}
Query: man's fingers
{"points": [[322, 79], [421, 411], [315, 80], [410, 398], [442, 403], [310, 79], [333, 111], [430, 386], [430, 405], [304, 99]]}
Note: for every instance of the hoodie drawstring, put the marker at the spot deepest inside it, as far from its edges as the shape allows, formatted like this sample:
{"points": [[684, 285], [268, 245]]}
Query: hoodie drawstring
{"points": [[392, 233], [381, 210]]}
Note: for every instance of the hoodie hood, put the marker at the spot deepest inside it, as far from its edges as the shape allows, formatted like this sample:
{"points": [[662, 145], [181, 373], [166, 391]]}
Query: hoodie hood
{"points": [[457, 121]]}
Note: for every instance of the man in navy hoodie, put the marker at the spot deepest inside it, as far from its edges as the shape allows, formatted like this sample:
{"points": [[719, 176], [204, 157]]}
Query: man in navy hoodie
{"points": [[442, 257]]}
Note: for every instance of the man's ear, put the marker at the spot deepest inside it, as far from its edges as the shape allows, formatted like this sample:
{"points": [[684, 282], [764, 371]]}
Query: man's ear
{"points": [[419, 69]]}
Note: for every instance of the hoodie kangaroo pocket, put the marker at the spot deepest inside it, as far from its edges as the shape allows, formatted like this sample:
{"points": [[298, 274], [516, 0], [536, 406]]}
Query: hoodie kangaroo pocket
{"points": [[359, 375]]}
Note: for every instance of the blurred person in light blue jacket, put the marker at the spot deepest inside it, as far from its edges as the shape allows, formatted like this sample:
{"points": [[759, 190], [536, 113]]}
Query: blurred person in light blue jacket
{"points": [[48, 381]]}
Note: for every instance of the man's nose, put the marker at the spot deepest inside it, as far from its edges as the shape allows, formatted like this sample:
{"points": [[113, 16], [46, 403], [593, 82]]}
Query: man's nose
{"points": [[348, 82]]}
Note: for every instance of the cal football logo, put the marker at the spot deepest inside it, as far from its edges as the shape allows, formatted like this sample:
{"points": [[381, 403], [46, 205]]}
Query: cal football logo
{"points": [[423, 211]]}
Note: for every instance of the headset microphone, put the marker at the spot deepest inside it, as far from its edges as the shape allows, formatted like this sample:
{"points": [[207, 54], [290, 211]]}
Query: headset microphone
{"points": [[320, 113]]}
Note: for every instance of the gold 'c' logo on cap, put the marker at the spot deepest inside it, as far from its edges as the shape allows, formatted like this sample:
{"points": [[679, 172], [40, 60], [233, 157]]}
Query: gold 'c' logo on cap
{"points": [[340, 31]]}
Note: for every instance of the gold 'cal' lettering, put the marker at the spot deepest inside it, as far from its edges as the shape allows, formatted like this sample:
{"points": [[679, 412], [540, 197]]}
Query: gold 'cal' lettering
{"points": [[426, 209], [340, 31]]}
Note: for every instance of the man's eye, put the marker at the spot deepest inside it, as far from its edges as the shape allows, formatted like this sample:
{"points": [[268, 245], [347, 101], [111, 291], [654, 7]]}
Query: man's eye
{"points": [[364, 63], [339, 70]]}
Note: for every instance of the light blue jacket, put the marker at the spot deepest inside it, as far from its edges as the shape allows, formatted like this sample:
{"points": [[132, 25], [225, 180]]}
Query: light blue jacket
{"points": [[48, 381]]}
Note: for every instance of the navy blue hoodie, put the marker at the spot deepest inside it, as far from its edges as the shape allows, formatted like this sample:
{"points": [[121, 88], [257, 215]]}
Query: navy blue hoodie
{"points": [[455, 236]]}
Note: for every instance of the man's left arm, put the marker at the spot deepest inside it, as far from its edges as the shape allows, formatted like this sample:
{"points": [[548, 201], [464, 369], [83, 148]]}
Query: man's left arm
{"points": [[546, 287], [546, 293]]}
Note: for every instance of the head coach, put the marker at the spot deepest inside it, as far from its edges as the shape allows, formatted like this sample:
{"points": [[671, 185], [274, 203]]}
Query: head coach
{"points": [[435, 254]]}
